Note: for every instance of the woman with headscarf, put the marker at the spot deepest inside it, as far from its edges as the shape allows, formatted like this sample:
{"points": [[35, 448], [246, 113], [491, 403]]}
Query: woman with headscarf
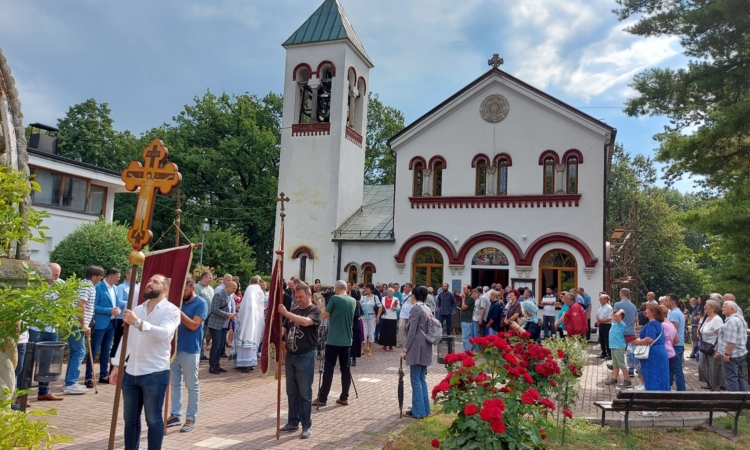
{"points": [[356, 349], [388, 321], [531, 322]]}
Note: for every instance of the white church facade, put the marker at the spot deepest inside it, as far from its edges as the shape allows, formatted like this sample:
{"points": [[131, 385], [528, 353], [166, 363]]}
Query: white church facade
{"points": [[499, 183]]}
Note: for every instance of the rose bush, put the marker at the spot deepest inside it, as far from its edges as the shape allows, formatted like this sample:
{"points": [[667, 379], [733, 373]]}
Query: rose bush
{"points": [[502, 394]]}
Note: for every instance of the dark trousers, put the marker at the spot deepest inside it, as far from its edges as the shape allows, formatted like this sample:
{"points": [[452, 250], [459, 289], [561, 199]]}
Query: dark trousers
{"points": [[100, 339], [144, 392], [21, 350], [42, 336], [446, 320], [334, 352], [604, 338], [217, 337], [548, 326], [300, 371]]}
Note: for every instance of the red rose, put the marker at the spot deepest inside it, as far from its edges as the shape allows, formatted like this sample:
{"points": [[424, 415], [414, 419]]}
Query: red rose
{"points": [[553, 383], [510, 358], [469, 352], [527, 398], [490, 413], [528, 378], [469, 362], [543, 434], [560, 353], [505, 389], [470, 409], [534, 393], [435, 443], [567, 412], [494, 403], [498, 426], [548, 403], [525, 335]]}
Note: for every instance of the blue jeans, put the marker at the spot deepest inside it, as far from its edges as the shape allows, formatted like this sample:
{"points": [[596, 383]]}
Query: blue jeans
{"points": [[491, 332], [139, 393], [21, 350], [100, 340], [467, 331], [300, 370], [420, 397], [218, 337], [733, 379], [43, 336], [548, 326], [77, 349], [675, 368], [185, 366]]}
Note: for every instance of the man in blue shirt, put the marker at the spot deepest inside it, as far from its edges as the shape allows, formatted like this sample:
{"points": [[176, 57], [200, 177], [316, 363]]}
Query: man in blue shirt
{"points": [[630, 312], [187, 359], [585, 300], [678, 320], [123, 290]]}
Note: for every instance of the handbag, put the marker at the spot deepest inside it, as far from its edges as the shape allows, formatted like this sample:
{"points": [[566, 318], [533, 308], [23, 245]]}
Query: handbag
{"points": [[706, 347], [642, 351]]}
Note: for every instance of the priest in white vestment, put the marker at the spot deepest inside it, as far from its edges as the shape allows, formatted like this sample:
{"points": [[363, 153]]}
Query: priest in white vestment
{"points": [[249, 326]]}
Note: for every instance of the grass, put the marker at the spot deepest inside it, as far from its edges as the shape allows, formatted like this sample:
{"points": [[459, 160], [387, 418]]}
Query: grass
{"points": [[581, 435]]}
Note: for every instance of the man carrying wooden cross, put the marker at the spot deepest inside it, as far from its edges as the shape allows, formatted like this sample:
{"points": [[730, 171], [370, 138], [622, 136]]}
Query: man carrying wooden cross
{"points": [[146, 375]]}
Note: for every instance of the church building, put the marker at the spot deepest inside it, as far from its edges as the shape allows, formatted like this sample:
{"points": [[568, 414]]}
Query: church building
{"points": [[501, 182]]}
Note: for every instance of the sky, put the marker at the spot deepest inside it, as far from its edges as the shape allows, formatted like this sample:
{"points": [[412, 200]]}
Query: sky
{"points": [[147, 59]]}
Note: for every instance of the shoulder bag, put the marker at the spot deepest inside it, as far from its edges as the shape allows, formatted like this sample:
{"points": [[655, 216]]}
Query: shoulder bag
{"points": [[707, 348], [642, 351]]}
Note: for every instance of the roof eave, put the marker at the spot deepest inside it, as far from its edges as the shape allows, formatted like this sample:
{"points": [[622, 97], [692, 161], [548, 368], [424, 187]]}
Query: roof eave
{"points": [[362, 56]]}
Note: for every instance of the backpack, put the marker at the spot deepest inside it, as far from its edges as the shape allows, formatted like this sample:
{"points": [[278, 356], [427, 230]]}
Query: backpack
{"points": [[434, 328]]}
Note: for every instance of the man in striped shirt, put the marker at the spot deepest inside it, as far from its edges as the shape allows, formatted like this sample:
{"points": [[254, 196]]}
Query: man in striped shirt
{"points": [[76, 341]]}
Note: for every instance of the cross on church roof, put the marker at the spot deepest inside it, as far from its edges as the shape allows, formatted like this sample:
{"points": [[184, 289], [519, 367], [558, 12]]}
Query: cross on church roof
{"points": [[496, 61]]}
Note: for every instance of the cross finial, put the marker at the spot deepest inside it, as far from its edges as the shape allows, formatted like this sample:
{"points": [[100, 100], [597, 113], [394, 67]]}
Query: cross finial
{"points": [[178, 196], [282, 199], [496, 61]]}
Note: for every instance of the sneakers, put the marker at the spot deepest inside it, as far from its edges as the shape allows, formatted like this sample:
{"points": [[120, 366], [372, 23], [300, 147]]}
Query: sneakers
{"points": [[640, 387], [611, 382], [306, 434], [189, 425], [172, 421], [75, 389], [289, 427], [626, 385]]}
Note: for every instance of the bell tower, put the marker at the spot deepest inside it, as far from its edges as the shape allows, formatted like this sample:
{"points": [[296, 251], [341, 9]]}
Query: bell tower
{"points": [[326, 81]]}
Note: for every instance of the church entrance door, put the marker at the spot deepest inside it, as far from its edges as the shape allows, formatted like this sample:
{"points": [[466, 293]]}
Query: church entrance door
{"points": [[485, 277]]}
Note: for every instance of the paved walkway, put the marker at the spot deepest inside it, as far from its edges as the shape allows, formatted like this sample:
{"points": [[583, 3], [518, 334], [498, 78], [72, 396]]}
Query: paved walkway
{"points": [[237, 411]]}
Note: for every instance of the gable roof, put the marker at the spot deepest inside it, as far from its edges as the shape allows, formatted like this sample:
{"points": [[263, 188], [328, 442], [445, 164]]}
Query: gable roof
{"points": [[499, 73], [328, 23]]}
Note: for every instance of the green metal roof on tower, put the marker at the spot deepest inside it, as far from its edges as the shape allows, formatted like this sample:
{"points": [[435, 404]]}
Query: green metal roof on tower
{"points": [[328, 23]]}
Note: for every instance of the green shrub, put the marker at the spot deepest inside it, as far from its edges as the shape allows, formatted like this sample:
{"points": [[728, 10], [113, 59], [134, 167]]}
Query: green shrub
{"points": [[100, 243], [14, 225], [226, 251], [19, 430]]}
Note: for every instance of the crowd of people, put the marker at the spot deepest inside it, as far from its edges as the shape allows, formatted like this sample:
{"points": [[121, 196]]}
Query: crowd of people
{"points": [[649, 344]]}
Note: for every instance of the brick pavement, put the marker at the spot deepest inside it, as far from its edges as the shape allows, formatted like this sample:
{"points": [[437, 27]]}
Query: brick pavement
{"points": [[237, 411]]}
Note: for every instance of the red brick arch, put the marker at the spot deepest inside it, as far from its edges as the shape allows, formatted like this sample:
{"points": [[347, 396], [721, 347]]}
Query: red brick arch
{"points": [[589, 259], [479, 156], [323, 63], [491, 236], [427, 236], [435, 159], [415, 160], [499, 157], [573, 152], [370, 265], [303, 251], [300, 66], [547, 153]]}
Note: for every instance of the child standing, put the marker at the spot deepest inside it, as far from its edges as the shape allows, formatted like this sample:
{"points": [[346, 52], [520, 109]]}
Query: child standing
{"points": [[617, 345]]}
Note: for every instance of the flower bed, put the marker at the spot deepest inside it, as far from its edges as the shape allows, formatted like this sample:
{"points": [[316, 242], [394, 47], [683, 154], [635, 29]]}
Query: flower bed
{"points": [[502, 394]]}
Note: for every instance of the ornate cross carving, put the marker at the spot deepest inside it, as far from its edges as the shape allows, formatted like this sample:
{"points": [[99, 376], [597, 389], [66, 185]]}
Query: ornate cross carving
{"points": [[148, 178], [178, 196], [496, 61], [282, 199]]}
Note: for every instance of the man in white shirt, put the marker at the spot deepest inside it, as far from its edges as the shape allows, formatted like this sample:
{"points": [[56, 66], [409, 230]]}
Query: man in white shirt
{"points": [[146, 374], [404, 315], [481, 308], [549, 313], [604, 322]]}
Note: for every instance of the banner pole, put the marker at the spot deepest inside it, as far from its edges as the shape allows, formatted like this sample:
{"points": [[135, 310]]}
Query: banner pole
{"points": [[279, 297]]}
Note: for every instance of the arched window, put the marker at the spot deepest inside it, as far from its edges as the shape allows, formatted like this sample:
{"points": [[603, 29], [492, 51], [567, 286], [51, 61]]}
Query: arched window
{"points": [[304, 95], [353, 273], [418, 179], [302, 267], [367, 275], [323, 112], [502, 176], [428, 268], [571, 187], [437, 179], [558, 270], [549, 175], [481, 180]]}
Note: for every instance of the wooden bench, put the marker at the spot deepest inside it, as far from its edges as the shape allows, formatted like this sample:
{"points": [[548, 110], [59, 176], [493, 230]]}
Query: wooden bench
{"points": [[632, 400]]}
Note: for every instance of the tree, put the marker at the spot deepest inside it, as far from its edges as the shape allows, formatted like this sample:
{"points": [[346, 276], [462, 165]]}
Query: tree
{"points": [[87, 134], [383, 122], [227, 252], [99, 243]]}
